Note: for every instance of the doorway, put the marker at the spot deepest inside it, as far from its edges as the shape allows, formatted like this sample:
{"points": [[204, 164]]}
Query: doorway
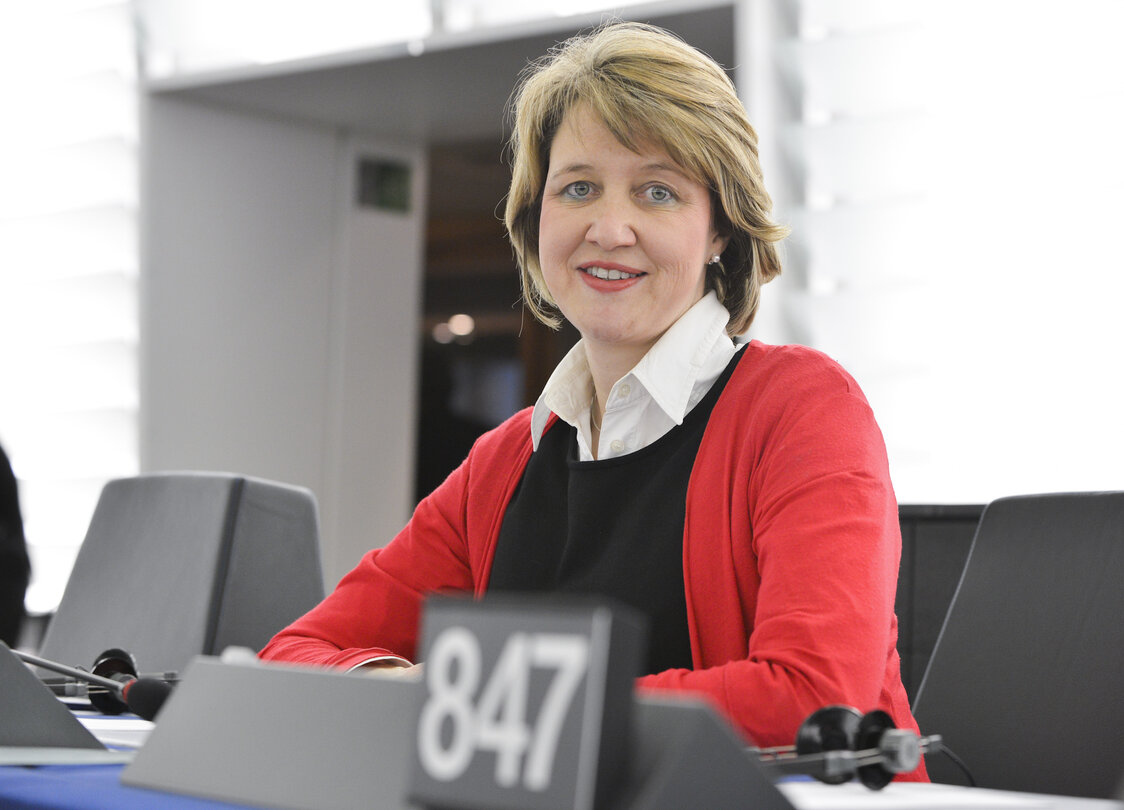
{"points": [[483, 355]]}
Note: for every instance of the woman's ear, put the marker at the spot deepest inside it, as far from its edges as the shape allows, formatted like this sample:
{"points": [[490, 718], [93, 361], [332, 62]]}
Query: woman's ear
{"points": [[718, 244]]}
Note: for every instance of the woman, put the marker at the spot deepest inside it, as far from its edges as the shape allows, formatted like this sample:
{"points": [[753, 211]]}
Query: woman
{"points": [[739, 497]]}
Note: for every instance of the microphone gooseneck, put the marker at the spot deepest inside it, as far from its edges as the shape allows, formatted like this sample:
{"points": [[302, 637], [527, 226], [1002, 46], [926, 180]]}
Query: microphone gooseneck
{"points": [[142, 696], [73, 672]]}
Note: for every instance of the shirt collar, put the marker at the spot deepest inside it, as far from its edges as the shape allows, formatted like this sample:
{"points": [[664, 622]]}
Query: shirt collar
{"points": [[567, 393], [670, 368], [668, 371]]}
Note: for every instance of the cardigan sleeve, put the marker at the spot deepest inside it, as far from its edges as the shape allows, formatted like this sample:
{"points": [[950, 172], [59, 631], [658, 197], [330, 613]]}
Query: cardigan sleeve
{"points": [[791, 574], [445, 547]]}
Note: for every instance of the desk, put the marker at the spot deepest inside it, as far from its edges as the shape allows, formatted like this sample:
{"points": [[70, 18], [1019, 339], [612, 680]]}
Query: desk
{"points": [[91, 786], [85, 787], [97, 787], [300, 738]]}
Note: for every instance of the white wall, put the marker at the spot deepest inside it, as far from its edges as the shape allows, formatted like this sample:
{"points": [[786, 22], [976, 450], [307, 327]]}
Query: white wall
{"points": [[377, 304], [277, 341], [955, 227]]}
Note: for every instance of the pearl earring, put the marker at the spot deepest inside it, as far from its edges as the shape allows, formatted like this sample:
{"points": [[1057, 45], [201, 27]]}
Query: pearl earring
{"points": [[715, 259]]}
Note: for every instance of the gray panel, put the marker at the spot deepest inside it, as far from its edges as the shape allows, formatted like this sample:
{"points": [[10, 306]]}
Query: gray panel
{"points": [[273, 572], [144, 575], [939, 554], [685, 756], [289, 737], [283, 737], [904, 605], [178, 565], [456, 89], [935, 543], [30, 716], [1025, 681]]}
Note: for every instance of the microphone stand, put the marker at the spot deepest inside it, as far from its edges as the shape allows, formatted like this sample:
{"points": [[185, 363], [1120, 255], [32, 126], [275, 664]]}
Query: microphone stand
{"points": [[73, 672], [143, 696]]}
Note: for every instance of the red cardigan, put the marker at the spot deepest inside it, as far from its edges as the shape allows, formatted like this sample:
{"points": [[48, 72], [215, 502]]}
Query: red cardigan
{"points": [[790, 554]]}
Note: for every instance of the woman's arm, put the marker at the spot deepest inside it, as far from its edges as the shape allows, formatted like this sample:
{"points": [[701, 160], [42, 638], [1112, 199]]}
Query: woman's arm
{"points": [[373, 613], [792, 555]]}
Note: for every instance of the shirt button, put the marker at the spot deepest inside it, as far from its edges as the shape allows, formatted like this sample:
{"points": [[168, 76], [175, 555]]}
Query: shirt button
{"points": [[616, 445], [625, 390]]}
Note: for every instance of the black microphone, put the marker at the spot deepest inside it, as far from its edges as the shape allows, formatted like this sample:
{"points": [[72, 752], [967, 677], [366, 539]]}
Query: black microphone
{"points": [[145, 696], [142, 696]]}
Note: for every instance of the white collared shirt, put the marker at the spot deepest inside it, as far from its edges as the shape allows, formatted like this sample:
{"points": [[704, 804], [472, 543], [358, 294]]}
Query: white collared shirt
{"points": [[651, 399]]}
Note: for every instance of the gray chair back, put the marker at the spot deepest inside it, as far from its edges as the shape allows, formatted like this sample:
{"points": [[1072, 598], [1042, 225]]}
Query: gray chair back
{"points": [[1026, 683], [180, 564]]}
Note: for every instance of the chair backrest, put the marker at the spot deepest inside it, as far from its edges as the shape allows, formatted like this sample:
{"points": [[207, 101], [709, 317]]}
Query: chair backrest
{"points": [[180, 564], [1026, 683], [936, 539]]}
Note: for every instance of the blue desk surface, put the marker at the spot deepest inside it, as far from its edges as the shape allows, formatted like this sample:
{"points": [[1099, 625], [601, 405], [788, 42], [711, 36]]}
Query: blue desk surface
{"points": [[98, 787], [90, 787]]}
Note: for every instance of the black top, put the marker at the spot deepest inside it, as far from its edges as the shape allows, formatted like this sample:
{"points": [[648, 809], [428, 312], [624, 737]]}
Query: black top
{"points": [[611, 528]]}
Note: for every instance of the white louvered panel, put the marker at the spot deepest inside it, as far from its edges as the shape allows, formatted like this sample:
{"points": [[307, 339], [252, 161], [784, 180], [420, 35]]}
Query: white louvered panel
{"points": [[68, 269], [960, 189]]}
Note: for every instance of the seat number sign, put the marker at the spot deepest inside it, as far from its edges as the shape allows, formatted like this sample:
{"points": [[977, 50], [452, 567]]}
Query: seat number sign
{"points": [[513, 705]]}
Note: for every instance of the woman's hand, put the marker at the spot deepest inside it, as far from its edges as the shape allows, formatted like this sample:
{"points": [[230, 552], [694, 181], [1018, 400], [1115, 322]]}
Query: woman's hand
{"points": [[392, 669]]}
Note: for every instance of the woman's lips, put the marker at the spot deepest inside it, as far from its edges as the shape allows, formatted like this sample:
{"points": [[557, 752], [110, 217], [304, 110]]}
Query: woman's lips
{"points": [[610, 272]]}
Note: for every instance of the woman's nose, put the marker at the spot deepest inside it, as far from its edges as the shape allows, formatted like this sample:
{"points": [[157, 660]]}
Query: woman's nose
{"points": [[611, 226]]}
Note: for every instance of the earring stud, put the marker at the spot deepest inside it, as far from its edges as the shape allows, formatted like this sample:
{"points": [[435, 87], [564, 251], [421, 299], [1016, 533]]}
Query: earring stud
{"points": [[715, 259]]}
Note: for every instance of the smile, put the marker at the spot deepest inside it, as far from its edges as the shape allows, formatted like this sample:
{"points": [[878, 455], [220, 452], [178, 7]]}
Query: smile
{"points": [[607, 274]]}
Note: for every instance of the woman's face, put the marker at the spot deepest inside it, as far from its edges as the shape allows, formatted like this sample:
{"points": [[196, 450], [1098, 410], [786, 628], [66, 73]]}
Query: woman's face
{"points": [[624, 237]]}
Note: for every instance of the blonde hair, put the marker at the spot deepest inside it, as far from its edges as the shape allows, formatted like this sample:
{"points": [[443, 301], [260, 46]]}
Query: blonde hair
{"points": [[648, 87]]}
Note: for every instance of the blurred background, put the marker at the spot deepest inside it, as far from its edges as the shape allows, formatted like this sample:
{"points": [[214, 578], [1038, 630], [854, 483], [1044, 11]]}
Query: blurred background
{"points": [[266, 238]]}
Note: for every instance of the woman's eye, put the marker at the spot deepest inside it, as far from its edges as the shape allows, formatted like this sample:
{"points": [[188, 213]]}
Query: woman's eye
{"points": [[579, 190], [660, 194]]}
